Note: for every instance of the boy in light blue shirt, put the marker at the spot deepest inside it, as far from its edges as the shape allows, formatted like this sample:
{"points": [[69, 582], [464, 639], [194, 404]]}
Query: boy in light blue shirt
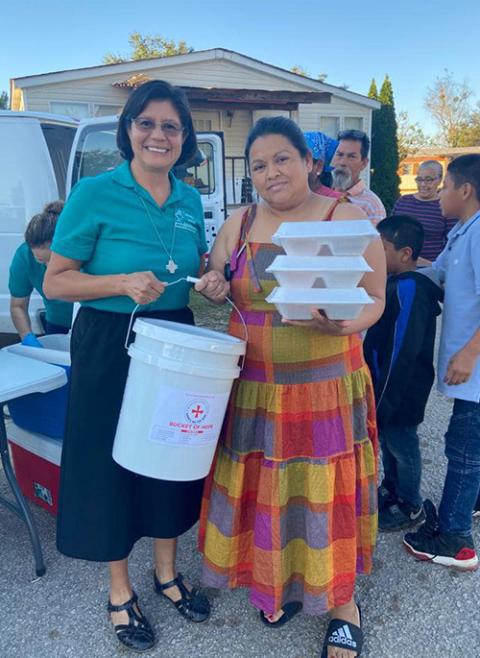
{"points": [[446, 538]]}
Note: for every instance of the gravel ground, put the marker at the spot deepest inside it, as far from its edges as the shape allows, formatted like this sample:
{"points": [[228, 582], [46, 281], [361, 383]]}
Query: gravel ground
{"points": [[409, 608]]}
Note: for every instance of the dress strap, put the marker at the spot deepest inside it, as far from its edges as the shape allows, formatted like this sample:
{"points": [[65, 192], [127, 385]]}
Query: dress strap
{"points": [[247, 221], [248, 218], [333, 207]]}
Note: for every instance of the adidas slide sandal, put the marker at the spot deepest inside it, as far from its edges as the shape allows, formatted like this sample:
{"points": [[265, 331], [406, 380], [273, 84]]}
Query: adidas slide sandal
{"points": [[343, 635]]}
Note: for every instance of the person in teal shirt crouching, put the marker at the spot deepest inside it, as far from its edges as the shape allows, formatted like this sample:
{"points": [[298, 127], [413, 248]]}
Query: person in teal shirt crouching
{"points": [[27, 271]]}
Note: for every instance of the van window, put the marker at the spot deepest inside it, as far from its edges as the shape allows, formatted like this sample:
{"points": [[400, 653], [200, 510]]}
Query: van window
{"points": [[96, 151], [199, 172], [59, 143]]}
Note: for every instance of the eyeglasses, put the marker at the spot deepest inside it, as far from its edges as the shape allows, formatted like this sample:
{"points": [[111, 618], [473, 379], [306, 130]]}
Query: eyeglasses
{"points": [[168, 128], [427, 179]]}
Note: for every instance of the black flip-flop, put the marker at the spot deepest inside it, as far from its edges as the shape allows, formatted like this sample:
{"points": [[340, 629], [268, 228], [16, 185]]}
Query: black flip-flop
{"points": [[289, 611], [343, 635]]}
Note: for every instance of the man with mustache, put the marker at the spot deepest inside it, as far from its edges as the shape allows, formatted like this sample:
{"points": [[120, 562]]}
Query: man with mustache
{"points": [[350, 158]]}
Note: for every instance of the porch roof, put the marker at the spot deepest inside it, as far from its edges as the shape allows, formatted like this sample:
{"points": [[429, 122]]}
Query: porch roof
{"points": [[228, 98]]}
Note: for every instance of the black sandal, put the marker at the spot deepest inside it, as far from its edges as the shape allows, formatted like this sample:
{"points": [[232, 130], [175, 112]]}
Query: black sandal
{"points": [[343, 635], [193, 605], [137, 635], [289, 611]]}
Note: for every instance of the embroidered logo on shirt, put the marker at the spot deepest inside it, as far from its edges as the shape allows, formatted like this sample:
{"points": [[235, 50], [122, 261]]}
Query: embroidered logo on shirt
{"points": [[185, 220]]}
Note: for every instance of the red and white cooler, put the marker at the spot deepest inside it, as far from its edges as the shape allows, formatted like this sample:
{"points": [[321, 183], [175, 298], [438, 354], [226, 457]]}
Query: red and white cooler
{"points": [[36, 460]]}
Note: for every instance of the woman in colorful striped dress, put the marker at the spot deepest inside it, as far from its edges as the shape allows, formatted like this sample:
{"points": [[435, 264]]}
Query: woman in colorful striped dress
{"points": [[289, 509]]}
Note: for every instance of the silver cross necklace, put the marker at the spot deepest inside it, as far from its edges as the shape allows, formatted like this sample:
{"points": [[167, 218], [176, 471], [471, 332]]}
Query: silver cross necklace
{"points": [[171, 266]]}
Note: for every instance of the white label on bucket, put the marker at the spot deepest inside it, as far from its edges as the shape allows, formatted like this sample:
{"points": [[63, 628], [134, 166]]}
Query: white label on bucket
{"points": [[187, 418]]}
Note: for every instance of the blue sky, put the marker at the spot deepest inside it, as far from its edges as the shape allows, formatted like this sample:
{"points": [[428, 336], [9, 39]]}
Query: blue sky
{"points": [[352, 41]]}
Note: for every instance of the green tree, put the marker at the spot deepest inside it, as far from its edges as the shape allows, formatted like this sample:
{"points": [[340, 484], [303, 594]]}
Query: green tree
{"points": [[470, 131], [148, 47], [410, 136], [448, 102], [3, 100], [373, 91], [384, 151]]}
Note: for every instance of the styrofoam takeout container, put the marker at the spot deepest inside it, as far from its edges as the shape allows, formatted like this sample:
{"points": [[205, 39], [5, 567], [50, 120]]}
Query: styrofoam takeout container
{"points": [[346, 238], [319, 271], [337, 303]]}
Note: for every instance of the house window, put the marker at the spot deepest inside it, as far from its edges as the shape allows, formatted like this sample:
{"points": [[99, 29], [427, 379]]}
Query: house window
{"points": [[353, 123], [84, 110], [206, 121], [70, 109], [329, 125], [202, 125], [99, 110]]}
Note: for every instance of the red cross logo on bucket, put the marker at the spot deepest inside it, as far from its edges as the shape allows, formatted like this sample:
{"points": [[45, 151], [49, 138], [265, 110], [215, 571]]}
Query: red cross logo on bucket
{"points": [[197, 411]]}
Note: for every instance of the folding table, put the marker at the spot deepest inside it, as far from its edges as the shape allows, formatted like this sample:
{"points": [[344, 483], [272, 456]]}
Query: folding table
{"points": [[20, 376]]}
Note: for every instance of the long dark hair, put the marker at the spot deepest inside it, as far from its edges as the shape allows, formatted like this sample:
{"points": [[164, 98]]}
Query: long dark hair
{"points": [[156, 90]]}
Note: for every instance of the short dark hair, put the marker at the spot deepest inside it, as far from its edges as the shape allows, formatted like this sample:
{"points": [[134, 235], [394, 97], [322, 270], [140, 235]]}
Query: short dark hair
{"points": [[357, 136], [403, 231], [156, 90], [277, 126], [466, 169], [41, 227]]}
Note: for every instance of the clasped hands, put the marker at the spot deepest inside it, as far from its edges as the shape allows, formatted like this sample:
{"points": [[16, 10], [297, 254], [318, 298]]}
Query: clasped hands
{"points": [[214, 286], [145, 288]]}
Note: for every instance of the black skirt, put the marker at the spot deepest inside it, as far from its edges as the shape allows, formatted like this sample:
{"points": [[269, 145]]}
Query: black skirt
{"points": [[104, 508]]}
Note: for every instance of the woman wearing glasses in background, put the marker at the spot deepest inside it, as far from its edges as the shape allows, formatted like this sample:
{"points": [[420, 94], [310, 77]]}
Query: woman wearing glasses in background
{"points": [[425, 206], [122, 237]]}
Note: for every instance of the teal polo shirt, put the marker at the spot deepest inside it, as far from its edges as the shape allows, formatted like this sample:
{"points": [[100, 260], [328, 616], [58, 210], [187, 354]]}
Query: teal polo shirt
{"points": [[26, 275], [105, 225]]}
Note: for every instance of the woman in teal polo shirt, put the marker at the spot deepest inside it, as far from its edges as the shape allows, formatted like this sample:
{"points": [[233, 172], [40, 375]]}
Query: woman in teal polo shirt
{"points": [[27, 271], [122, 238]]}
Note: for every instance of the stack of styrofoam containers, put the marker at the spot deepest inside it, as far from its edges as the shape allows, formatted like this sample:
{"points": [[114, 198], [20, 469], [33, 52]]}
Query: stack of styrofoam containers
{"points": [[321, 269]]}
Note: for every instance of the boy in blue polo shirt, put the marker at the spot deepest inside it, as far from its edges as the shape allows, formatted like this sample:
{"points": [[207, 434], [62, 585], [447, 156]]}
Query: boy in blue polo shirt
{"points": [[446, 538]]}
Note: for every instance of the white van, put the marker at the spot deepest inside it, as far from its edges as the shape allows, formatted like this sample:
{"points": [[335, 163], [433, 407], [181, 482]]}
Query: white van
{"points": [[35, 151], [44, 155]]}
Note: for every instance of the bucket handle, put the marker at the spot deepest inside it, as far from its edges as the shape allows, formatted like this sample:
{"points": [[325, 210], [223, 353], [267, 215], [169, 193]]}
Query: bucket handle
{"points": [[192, 279]]}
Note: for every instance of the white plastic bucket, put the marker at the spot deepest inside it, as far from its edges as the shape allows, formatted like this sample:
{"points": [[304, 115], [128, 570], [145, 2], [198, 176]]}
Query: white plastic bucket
{"points": [[178, 385]]}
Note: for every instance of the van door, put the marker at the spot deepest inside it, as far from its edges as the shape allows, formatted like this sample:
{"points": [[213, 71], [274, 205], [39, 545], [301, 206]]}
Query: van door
{"points": [[209, 180], [95, 151], [33, 165]]}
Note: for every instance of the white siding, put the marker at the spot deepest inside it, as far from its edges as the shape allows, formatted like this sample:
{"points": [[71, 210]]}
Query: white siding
{"points": [[216, 73], [309, 115], [236, 135]]}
